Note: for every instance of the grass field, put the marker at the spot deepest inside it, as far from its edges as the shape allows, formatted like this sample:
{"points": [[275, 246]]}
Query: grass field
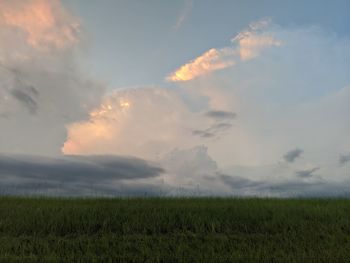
{"points": [[174, 230]]}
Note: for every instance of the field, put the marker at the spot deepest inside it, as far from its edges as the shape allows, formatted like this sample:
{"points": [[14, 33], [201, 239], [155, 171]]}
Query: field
{"points": [[174, 230]]}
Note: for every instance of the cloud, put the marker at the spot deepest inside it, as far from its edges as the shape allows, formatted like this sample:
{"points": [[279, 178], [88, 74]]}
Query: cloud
{"points": [[184, 14], [190, 172], [252, 41], [45, 24], [307, 173], [213, 131], [145, 122], [344, 159], [222, 123], [42, 87], [28, 100], [211, 60], [247, 45], [220, 115], [239, 183], [292, 155], [282, 97], [83, 169]]}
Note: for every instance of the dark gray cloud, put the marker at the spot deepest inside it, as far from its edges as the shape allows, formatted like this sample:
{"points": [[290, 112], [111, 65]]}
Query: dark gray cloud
{"points": [[203, 133], [344, 158], [307, 173], [288, 188], [236, 182], [119, 188], [77, 169], [221, 115], [213, 131], [123, 176], [222, 123], [292, 155], [27, 99]]}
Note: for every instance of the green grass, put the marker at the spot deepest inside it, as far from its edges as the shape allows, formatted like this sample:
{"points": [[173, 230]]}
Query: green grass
{"points": [[174, 230]]}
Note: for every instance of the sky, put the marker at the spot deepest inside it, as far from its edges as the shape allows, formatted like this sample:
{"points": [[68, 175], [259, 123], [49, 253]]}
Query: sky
{"points": [[242, 98]]}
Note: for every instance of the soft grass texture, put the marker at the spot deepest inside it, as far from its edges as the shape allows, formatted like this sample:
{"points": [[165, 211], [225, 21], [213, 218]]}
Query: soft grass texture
{"points": [[174, 230]]}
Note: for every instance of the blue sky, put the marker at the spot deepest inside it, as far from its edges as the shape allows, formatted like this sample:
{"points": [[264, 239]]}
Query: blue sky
{"points": [[134, 42]]}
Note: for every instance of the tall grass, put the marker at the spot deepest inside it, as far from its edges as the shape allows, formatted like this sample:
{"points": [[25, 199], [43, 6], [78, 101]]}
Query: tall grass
{"points": [[174, 230]]}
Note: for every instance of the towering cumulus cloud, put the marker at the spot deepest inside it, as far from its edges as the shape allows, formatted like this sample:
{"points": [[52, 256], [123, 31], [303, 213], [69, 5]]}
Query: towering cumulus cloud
{"points": [[238, 124], [232, 132], [144, 122], [41, 86]]}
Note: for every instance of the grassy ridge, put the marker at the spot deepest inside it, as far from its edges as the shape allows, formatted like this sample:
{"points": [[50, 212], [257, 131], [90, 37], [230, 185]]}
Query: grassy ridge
{"points": [[174, 230]]}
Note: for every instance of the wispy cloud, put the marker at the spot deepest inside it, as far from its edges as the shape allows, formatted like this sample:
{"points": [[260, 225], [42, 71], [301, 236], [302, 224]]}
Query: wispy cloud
{"points": [[183, 15]]}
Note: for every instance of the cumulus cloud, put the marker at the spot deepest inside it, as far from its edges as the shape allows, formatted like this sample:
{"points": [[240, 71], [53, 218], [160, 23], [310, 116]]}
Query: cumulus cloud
{"points": [[144, 122], [292, 155], [41, 85], [247, 45], [44, 24], [47, 105], [262, 93]]}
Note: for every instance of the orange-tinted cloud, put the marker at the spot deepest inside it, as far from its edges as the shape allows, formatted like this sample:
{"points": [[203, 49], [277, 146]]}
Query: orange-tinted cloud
{"points": [[211, 60], [247, 45], [141, 122], [45, 23]]}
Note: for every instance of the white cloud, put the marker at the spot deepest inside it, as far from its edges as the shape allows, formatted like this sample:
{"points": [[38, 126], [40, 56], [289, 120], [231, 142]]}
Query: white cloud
{"points": [[41, 85], [145, 122]]}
